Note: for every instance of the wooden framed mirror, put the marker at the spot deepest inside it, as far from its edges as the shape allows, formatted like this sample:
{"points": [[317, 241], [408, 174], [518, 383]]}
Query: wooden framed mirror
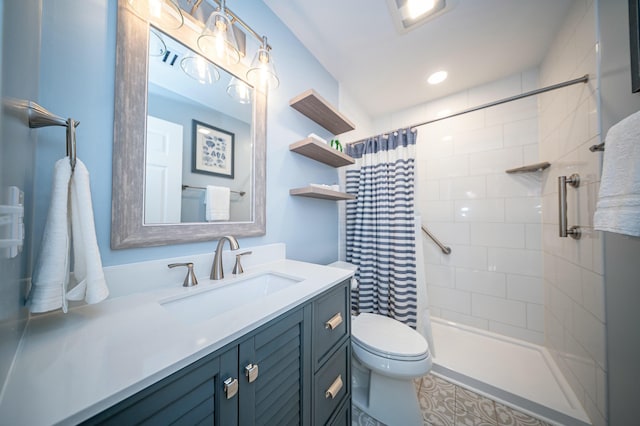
{"points": [[134, 184]]}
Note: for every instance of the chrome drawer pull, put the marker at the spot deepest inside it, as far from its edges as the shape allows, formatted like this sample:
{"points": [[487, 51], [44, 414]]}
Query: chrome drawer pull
{"points": [[251, 371], [335, 387], [334, 322], [230, 387]]}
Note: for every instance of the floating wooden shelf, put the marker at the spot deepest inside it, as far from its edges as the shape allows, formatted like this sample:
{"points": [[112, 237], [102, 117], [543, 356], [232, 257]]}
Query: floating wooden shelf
{"points": [[319, 110], [322, 193], [321, 152], [530, 168]]}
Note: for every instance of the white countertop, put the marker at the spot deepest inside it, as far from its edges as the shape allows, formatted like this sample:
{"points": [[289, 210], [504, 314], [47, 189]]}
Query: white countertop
{"points": [[72, 366]]}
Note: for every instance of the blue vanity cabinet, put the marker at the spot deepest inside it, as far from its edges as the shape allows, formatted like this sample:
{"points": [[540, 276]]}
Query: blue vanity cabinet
{"points": [[191, 396], [282, 371]]}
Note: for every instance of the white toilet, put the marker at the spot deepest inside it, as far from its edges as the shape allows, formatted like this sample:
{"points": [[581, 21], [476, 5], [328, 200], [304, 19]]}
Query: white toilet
{"points": [[387, 356]]}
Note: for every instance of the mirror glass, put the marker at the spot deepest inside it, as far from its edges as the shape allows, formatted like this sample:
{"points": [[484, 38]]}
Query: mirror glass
{"points": [[198, 136], [180, 138]]}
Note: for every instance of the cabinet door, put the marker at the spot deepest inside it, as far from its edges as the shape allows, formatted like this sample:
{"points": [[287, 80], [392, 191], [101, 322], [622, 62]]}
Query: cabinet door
{"points": [[276, 396], [193, 395]]}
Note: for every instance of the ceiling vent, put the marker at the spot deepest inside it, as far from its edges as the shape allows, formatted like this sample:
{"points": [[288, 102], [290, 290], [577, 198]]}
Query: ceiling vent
{"points": [[410, 14]]}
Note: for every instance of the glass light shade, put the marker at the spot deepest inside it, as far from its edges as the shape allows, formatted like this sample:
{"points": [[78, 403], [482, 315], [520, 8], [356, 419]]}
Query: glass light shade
{"points": [[165, 12], [157, 46], [201, 70], [218, 40], [262, 72], [239, 90]]}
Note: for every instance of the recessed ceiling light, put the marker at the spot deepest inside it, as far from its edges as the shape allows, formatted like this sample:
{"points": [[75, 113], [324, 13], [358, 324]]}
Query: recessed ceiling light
{"points": [[437, 77]]}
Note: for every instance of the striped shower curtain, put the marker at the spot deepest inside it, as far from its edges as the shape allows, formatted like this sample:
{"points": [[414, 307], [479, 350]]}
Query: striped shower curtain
{"points": [[381, 225]]}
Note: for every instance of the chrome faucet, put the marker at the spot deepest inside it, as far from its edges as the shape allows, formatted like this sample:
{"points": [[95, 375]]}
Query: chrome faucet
{"points": [[216, 269]]}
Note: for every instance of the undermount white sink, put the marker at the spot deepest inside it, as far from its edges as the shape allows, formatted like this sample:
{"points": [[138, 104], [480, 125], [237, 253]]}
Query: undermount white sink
{"points": [[229, 295]]}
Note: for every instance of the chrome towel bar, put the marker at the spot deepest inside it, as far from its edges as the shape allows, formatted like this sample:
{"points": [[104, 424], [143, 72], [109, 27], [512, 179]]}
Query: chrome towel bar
{"points": [[241, 193]]}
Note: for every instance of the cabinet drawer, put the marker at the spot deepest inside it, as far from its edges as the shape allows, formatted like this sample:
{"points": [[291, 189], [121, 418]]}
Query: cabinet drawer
{"points": [[331, 322], [343, 417], [332, 384]]}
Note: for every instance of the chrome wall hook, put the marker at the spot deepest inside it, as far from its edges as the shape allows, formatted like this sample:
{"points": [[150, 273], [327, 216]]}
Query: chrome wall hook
{"points": [[40, 117]]}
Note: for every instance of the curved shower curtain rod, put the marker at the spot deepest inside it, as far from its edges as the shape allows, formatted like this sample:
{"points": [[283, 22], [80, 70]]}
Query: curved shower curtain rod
{"points": [[583, 79]]}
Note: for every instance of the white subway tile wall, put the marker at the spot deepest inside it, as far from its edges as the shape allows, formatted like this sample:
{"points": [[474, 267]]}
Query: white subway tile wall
{"points": [[573, 281], [491, 220]]}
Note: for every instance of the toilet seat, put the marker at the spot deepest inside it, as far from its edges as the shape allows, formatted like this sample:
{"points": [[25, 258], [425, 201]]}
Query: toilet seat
{"points": [[389, 338]]}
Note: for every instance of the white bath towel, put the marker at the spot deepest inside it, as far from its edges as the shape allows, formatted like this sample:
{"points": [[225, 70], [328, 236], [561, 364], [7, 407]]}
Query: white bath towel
{"points": [[618, 207], [51, 273], [217, 200], [87, 266]]}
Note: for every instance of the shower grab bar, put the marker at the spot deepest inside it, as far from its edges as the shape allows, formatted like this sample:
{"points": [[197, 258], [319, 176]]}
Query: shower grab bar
{"points": [[574, 181], [445, 249], [40, 117]]}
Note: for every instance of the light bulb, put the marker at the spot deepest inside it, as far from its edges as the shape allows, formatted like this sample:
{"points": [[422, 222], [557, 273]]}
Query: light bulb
{"points": [[155, 8]]}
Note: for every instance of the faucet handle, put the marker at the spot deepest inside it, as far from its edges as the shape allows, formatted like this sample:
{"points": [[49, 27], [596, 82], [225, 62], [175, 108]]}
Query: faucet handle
{"points": [[237, 269], [190, 280]]}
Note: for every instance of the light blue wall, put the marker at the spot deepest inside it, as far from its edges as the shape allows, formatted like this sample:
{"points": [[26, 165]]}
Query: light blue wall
{"points": [[77, 80], [19, 59]]}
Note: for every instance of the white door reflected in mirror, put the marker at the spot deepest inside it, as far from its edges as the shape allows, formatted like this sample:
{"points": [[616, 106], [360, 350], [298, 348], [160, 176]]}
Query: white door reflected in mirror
{"points": [[163, 171]]}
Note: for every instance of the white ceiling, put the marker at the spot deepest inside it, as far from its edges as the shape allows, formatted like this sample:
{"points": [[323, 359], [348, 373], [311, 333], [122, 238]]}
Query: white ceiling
{"points": [[477, 42]]}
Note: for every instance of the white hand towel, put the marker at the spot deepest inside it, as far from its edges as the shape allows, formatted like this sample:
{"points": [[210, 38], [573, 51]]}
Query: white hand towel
{"points": [[51, 273], [91, 284], [618, 207], [217, 200]]}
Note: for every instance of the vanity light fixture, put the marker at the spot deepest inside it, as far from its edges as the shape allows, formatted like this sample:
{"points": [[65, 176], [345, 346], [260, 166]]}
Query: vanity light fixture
{"points": [[217, 38], [262, 72], [166, 12], [201, 70]]}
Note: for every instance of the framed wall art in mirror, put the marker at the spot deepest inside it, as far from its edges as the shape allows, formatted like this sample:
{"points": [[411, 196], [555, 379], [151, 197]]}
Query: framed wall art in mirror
{"points": [[145, 102], [213, 151]]}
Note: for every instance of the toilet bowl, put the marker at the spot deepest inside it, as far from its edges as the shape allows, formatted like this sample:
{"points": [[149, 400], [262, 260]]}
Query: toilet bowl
{"points": [[387, 356]]}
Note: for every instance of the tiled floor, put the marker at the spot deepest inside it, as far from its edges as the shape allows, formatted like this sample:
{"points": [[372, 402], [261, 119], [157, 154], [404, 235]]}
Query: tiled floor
{"points": [[445, 404]]}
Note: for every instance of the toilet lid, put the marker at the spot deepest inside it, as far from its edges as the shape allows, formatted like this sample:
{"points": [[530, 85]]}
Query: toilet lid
{"points": [[384, 335]]}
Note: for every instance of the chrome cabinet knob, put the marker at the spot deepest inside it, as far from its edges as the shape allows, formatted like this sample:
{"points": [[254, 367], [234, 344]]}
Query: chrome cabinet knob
{"points": [[251, 371], [230, 387]]}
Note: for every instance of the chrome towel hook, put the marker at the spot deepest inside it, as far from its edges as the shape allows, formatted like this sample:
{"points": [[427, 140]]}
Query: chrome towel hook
{"points": [[40, 117]]}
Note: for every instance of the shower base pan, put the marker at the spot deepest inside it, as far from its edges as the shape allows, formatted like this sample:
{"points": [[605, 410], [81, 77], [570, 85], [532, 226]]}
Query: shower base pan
{"points": [[516, 373]]}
